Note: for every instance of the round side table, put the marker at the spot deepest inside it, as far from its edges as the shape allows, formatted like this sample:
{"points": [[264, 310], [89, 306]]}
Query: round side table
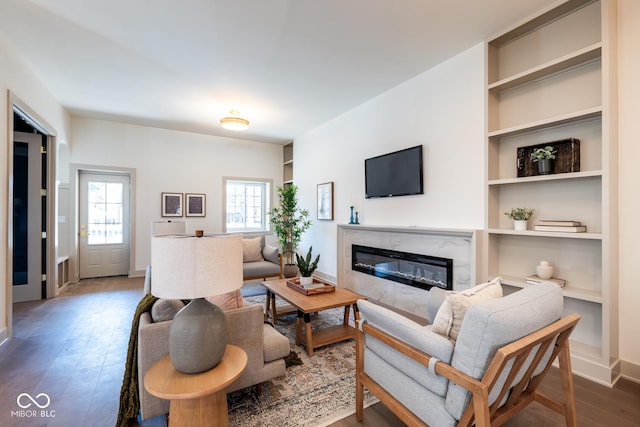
{"points": [[196, 399]]}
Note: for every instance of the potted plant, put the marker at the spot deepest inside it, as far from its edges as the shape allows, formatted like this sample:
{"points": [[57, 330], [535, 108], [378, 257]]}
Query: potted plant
{"points": [[289, 222], [307, 267], [544, 157], [520, 216]]}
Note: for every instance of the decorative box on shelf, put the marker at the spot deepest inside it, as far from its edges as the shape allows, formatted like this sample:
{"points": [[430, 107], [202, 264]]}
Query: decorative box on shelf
{"points": [[318, 286], [567, 157]]}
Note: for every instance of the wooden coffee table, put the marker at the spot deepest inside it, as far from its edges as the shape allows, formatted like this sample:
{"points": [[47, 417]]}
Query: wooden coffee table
{"points": [[196, 399], [306, 305]]}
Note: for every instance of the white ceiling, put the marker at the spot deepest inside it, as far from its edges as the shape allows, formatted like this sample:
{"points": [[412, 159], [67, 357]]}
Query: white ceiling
{"points": [[287, 65]]}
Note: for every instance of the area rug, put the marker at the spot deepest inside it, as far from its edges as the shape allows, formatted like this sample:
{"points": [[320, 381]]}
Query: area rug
{"points": [[318, 392]]}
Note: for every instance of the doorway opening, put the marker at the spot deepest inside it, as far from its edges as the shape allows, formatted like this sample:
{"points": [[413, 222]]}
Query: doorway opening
{"points": [[29, 200], [104, 233], [31, 248]]}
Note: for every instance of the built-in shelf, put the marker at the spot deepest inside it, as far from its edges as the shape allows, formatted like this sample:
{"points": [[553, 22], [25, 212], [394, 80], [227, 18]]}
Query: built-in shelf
{"points": [[563, 119], [568, 291], [549, 78], [541, 20], [550, 177], [287, 164], [531, 233], [575, 59], [586, 351]]}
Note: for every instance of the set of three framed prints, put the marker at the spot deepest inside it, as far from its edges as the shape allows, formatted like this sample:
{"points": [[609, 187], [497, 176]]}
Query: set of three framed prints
{"points": [[189, 204]]}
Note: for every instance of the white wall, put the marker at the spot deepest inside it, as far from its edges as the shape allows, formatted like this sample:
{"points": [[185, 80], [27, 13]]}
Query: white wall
{"points": [[170, 161], [629, 177], [16, 77], [441, 109]]}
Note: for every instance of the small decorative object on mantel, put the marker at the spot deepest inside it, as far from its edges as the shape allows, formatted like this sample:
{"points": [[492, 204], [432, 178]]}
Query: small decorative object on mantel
{"points": [[352, 218], [544, 270], [567, 157], [318, 287], [520, 216]]}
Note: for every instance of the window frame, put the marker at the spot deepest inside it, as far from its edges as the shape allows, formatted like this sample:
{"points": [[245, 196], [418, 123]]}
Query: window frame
{"points": [[267, 184]]}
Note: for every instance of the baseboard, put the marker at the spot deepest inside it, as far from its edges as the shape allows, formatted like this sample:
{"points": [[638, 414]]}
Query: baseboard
{"points": [[326, 277], [137, 273], [594, 371], [630, 371]]}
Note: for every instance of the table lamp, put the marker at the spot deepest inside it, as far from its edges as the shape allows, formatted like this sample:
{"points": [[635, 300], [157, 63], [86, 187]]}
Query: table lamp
{"points": [[187, 267]]}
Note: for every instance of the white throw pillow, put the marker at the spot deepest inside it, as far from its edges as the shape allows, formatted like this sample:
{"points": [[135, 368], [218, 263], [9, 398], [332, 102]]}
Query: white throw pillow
{"points": [[451, 313], [252, 249]]}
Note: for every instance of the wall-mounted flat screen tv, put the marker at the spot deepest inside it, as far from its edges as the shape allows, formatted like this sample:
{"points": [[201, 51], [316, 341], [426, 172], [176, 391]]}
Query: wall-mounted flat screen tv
{"points": [[394, 174]]}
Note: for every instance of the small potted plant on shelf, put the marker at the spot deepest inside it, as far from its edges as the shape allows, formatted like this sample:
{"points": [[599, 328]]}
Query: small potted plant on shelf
{"points": [[307, 267], [545, 157], [520, 216]]}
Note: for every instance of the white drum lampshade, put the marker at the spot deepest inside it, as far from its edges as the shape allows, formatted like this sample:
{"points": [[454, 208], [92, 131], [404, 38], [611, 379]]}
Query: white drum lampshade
{"points": [[186, 267]]}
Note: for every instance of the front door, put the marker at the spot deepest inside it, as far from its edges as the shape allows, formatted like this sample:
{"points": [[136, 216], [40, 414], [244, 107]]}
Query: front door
{"points": [[104, 225], [27, 217]]}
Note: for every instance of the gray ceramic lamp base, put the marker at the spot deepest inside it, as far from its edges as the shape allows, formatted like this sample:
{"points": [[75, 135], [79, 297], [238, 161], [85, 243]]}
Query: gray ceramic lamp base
{"points": [[197, 337]]}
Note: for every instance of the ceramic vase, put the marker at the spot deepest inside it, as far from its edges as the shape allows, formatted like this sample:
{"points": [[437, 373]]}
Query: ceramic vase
{"points": [[520, 224], [544, 270]]}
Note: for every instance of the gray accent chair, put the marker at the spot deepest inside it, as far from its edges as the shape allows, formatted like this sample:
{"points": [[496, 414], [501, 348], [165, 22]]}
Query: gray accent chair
{"points": [[504, 349], [269, 267], [266, 349]]}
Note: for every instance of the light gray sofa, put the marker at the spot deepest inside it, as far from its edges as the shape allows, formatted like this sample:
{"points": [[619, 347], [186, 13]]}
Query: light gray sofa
{"points": [[422, 394], [266, 349]]}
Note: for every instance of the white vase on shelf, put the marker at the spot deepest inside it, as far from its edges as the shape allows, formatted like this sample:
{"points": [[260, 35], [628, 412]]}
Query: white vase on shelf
{"points": [[520, 224], [544, 270]]}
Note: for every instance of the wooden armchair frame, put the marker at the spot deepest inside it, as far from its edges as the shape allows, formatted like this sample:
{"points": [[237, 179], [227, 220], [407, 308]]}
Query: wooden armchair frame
{"points": [[520, 394]]}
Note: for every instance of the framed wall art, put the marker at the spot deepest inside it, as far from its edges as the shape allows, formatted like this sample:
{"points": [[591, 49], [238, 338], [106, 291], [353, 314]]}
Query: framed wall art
{"points": [[172, 204], [325, 201], [196, 204]]}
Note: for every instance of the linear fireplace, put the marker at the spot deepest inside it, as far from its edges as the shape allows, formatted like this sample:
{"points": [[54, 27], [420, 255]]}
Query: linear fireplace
{"points": [[420, 271]]}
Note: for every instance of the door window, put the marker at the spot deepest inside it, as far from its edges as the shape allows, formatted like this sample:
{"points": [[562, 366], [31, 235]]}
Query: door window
{"points": [[105, 213]]}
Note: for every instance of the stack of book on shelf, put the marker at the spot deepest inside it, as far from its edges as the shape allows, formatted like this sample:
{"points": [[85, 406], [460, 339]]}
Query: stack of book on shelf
{"points": [[560, 226], [535, 280]]}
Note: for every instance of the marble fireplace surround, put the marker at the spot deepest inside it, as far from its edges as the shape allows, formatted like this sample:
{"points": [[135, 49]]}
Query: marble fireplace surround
{"points": [[463, 246]]}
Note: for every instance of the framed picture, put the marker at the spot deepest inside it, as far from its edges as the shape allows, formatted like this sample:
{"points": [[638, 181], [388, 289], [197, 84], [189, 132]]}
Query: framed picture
{"points": [[325, 201], [171, 204], [196, 204]]}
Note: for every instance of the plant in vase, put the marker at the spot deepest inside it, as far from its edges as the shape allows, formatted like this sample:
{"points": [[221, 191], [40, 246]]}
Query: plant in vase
{"points": [[520, 216], [289, 222], [544, 157], [307, 267]]}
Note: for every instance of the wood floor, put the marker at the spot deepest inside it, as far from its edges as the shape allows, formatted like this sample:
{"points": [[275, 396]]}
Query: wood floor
{"points": [[73, 347]]}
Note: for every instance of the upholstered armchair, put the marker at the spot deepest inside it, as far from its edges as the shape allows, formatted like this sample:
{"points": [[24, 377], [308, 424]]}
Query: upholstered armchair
{"points": [[502, 350]]}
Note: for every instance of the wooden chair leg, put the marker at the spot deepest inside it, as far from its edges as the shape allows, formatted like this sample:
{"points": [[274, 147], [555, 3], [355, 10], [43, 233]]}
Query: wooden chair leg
{"points": [[259, 389], [359, 400], [568, 391], [359, 371]]}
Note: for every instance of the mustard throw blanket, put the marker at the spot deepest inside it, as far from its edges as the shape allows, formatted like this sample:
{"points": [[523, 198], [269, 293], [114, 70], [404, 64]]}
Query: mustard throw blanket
{"points": [[129, 398]]}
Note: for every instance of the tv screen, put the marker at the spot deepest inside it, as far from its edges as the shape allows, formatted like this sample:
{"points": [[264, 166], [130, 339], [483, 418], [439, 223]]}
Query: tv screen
{"points": [[394, 174]]}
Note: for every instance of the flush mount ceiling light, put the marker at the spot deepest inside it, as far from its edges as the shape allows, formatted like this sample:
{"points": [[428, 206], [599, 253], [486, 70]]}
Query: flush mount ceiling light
{"points": [[234, 122]]}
